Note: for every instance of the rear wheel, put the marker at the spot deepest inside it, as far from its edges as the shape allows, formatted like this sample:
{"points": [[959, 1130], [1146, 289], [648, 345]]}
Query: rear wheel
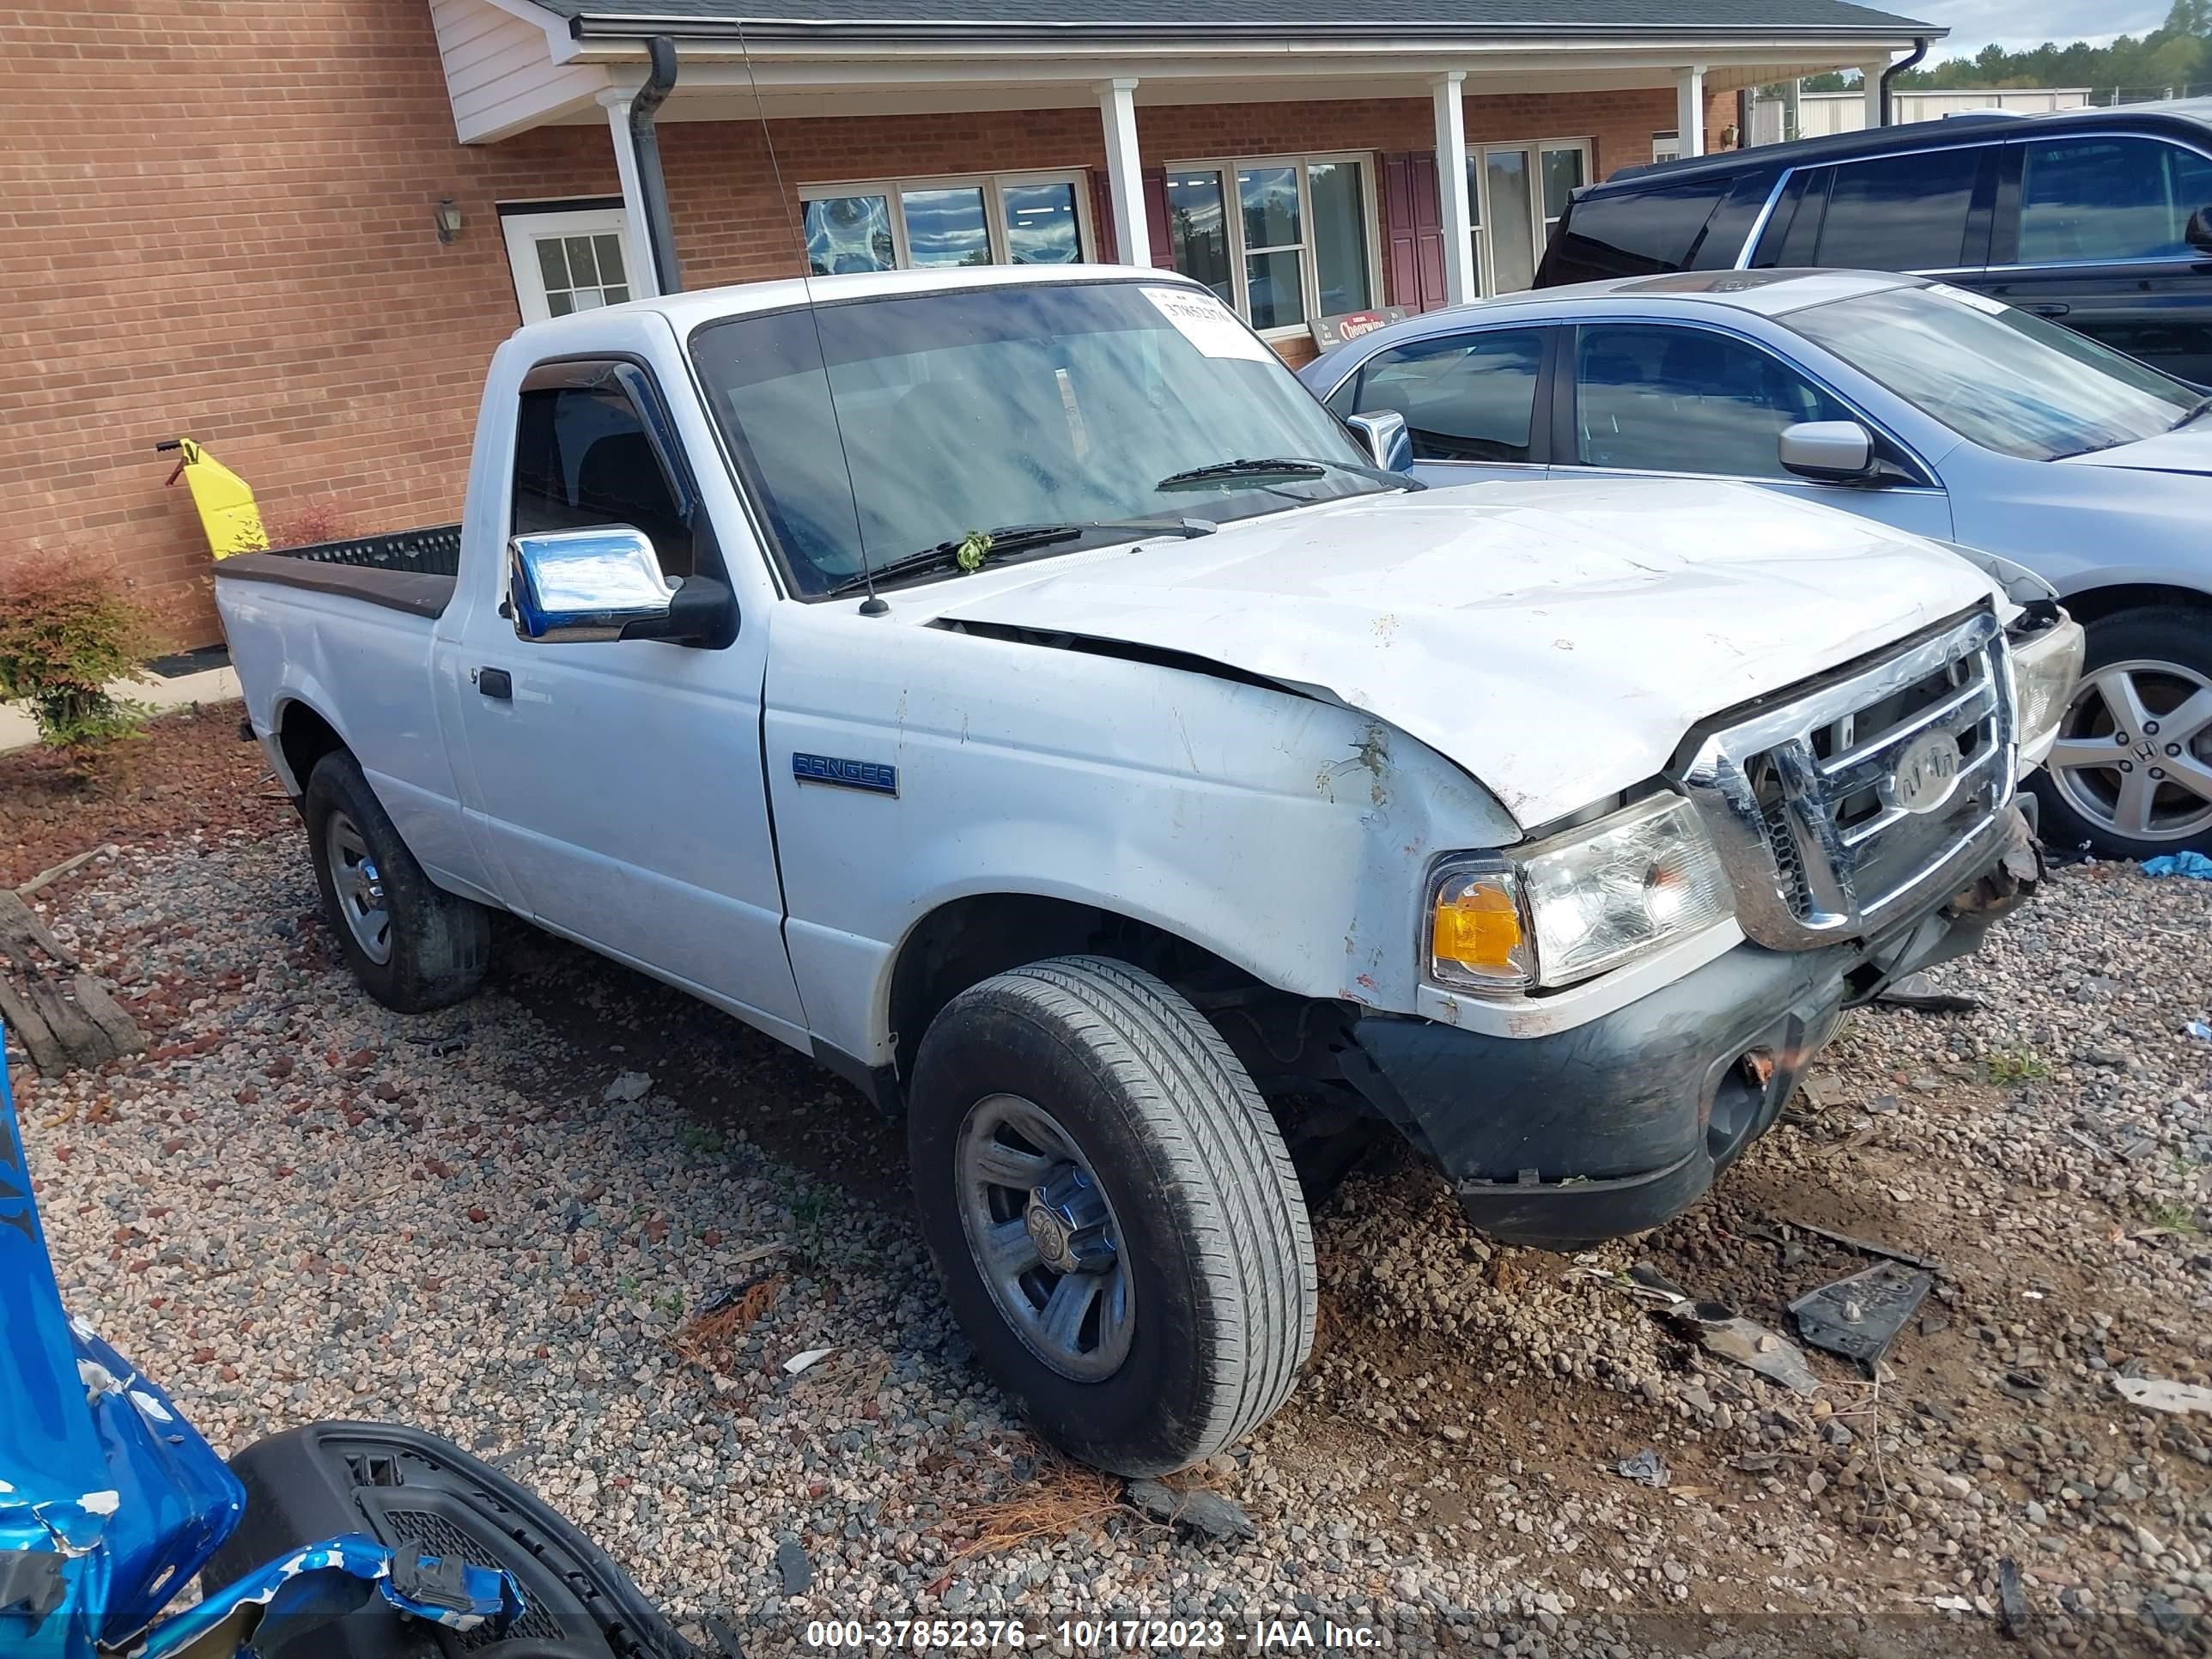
{"points": [[2131, 773], [412, 945], [1112, 1212]]}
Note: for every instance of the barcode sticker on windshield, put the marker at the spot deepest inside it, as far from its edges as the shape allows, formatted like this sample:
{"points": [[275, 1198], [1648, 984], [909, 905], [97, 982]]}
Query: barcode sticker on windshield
{"points": [[1967, 297], [1207, 324]]}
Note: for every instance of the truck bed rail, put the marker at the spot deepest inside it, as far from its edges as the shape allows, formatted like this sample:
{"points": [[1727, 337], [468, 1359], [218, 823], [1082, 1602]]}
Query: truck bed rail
{"points": [[407, 570]]}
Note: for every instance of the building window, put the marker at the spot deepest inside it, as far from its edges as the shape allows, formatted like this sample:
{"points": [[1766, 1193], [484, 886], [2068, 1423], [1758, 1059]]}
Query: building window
{"points": [[1515, 193], [1004, 219], [1300, 244]]}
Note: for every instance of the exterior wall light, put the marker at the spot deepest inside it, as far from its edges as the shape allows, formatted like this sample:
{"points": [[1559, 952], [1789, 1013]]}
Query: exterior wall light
{"points": [[448, 216]]}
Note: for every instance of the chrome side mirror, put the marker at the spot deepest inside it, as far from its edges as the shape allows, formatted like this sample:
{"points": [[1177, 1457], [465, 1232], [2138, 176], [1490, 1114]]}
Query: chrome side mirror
{"points": [[1833, 452], [573, 584], [1384, 437]]}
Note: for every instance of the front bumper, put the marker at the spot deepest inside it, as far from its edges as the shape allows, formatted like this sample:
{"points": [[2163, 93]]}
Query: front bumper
{"points": [[1611, 1127]]}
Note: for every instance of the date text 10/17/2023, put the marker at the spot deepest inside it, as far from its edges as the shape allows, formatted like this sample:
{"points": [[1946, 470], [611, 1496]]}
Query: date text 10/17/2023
{"points": [[1091, 1635]]}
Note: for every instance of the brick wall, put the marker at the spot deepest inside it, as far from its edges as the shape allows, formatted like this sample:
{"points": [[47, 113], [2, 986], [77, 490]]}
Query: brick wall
{"points": [[216, 220]]}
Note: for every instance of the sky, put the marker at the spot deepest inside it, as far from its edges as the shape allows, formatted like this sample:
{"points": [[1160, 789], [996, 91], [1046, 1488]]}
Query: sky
{"points": [[1974, 23]]}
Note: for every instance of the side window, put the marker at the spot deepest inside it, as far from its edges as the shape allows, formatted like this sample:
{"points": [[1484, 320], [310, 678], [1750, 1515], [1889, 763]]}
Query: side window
{"points": [[1468, 398], [1900, 213], [1679, 399], [2108, 198], [583, 457], [1637, 232]]}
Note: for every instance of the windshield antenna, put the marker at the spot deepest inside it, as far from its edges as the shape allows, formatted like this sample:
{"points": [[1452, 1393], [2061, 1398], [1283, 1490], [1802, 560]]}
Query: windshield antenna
{"points": [[874, 604]]}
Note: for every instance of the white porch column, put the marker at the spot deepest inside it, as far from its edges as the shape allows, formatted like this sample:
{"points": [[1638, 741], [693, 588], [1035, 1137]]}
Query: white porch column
{"points": [[1447, 92], [1690, 109], [1874, 72], [1125, 172], [637, 244]]}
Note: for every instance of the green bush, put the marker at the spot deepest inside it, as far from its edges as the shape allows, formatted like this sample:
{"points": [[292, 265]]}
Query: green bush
{"points": [[67, 630]]}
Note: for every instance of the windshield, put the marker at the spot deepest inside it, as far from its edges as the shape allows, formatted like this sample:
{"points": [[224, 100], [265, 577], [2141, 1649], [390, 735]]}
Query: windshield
{"points": [[2005, 379], [985, 407]]}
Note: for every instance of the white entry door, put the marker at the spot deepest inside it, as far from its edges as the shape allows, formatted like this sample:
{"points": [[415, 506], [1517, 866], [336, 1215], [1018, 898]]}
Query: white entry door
{"points": [[569, 260]]}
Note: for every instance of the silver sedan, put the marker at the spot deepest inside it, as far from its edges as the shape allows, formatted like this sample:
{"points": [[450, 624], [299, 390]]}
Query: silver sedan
{"points": [[1932, 408]]}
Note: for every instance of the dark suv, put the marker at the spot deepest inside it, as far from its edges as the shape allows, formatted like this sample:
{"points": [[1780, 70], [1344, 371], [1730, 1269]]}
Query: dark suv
{"points": [[2095, 217]]}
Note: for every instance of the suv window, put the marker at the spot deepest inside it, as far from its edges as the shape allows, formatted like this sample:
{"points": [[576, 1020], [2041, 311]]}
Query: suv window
{"points": [[583, 456], [1900, 213], [1466, 398], [1662, 398], [2108, 198], [1637, 232]]}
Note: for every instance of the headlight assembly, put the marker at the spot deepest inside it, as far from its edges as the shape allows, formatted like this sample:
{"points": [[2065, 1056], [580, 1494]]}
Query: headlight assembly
{"points": [[1574, 903], [2044, 667]]}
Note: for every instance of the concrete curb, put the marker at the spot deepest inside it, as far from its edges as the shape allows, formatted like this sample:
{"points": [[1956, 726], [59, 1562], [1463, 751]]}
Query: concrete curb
{"points": [[18, 731]]}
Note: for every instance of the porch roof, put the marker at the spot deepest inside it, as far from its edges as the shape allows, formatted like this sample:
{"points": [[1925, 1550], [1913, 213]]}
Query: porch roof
{"points": [[1641, 19]]}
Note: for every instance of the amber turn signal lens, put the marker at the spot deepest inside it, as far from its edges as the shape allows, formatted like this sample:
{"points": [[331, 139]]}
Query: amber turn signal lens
{"points": [[1478, 925]]}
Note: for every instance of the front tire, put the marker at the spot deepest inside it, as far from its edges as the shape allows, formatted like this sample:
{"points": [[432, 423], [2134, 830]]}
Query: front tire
{"points": [[2130, 776], [1113, 1214], [412, 945]]}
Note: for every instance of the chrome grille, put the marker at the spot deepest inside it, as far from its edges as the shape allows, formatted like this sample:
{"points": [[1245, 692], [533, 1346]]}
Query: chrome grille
{"points": [[1804, 800]]}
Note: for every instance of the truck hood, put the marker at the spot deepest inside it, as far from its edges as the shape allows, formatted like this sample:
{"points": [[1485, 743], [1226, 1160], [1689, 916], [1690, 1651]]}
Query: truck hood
{"points": [[2187, 450], [1557, 641]]}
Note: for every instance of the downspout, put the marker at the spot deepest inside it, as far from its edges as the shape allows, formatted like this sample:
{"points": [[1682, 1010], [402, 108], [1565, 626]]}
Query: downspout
{"points": [[644, 142], [1919, 51]]}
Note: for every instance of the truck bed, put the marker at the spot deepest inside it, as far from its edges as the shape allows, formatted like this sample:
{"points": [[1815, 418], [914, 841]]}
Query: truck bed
{"points": [[407, 570]]}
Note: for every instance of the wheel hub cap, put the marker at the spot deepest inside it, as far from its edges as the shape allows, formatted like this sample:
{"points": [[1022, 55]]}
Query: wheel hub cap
{"points": [[1067, 1221]]}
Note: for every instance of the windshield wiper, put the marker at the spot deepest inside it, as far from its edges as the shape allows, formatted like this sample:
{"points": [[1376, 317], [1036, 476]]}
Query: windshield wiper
{"points": [[995, 544], [2199, 407], [1285, 467]]}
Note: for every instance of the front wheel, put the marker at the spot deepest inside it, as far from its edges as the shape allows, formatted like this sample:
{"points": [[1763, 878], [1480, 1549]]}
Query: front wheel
{"points": [[1112, 1212], [2130, 776]]}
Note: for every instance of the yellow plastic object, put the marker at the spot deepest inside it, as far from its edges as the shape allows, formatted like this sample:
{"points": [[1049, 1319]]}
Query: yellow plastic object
{"points": [[225, 502]]}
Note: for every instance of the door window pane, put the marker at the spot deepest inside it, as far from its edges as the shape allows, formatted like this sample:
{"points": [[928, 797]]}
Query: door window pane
{"points": [[850, 233], [582, 458], [1563, 177], [581, 272], [1269, 197], [1339, 220], [1902, 213], [1471, 397], [1041, 224], [1276, 289], [1198, 230], [1512, 224], [2108, 198], [1674, 399], [946, 227]]}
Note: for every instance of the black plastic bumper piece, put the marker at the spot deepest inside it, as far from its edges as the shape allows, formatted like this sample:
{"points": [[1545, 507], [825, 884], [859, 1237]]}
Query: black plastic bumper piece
{"points": [[406, 1489], [1611, 1126]]}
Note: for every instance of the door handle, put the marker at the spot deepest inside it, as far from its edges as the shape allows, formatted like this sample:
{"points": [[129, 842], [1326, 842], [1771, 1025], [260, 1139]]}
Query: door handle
{"points": [[496, 683], [2050, 308]]}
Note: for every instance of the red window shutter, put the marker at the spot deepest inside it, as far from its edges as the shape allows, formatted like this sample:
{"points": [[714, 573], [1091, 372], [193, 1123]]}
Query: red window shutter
{"points": [[1156, 218], [1102, 222], [1413, 232]]}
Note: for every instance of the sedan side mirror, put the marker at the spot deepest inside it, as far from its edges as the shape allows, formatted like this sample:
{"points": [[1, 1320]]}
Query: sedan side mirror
{"points": [[2199, 233], [1833, 452], [569, 585], [1383, 436]]}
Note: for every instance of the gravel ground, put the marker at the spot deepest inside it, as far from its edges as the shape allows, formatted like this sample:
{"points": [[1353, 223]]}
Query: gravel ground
{"points": [[579, 1224]]}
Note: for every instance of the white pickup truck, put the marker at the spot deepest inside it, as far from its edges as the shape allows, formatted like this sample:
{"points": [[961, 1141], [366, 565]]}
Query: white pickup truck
{"points": [[1018, 691]]}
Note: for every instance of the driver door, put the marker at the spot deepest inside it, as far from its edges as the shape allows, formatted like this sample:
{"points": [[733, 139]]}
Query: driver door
{"points": [[1677, 400], [618, 782]]}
